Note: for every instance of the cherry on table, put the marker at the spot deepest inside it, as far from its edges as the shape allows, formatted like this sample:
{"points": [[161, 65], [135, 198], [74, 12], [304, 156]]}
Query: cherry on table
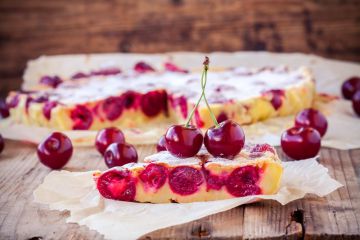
{"points": [[225, 141], [107, 136], [2, 144], [312, 118], [301, 142], [350, 86], [161, 144], [183, 141], [356, 102], [55, 151], [118, 154]]}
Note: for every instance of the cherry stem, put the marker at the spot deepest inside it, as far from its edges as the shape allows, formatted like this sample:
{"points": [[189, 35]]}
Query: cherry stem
{"points": [[203, 85]]}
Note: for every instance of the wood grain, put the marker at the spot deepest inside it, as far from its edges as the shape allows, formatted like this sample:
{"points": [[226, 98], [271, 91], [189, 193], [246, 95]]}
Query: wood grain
{"points": [[336, 216], [29, 29]]}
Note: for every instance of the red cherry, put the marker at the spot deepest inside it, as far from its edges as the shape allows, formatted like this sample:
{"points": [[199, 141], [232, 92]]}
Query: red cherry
{"points": [[107, 136], [356, 102], [118, 185], [118, 154], [154, 176], [106, 72], [350, 86], [113, 107], [4, 110], [301, 142], [243, 182], [47, 108], [182, 141], [173, 68], [2, 143], [142, 67], [225, 141], [185, 180], [79, 75], [161, 144], [51, 81], [312, 118], [55, 151], [153, 102], [82, 118]]}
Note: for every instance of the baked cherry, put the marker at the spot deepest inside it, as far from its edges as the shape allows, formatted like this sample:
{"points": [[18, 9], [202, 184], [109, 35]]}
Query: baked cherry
{"points": [[161, 144], [82, 118], [4, 110], [118, 185], [243, 181], [312, 118], [107, 136], [356, 102], [350, 86], [153, 102], [154, 176], [173, 68], [113, 107], [301, 142], [2, 144], [51, 81], [185, 180], [55, 151], [47, 108], [118, 154], [183, 141], [226, 140], [142, 67]]}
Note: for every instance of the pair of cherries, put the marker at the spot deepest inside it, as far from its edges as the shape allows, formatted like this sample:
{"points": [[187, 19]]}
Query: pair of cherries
{"points": [[222, 140], [56, 150], [351, 91]]}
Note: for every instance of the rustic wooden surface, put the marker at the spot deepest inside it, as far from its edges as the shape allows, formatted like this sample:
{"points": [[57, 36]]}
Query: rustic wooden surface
{"points": [[336, 216], [29, 29]]}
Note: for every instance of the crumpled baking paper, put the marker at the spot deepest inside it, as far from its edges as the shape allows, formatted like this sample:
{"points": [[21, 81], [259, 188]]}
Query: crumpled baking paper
{"points": [[75, 192], [329, 75]]}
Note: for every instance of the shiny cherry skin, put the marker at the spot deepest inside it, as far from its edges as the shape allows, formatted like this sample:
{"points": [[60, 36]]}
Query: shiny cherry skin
{"points": [[161, 144], [301, 142], [312, 118], [183, 141], [356, 103], [118, 154], [225, 141], [2, 144], [350, 86], [55, 151], [107, 136]]}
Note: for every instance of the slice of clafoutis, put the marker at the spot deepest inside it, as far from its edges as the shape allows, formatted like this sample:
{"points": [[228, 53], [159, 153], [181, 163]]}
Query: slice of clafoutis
{"points": [[163, 178]]}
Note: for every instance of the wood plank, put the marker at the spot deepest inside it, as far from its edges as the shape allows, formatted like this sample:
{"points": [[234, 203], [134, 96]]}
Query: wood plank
{"points": [[336, 216]]}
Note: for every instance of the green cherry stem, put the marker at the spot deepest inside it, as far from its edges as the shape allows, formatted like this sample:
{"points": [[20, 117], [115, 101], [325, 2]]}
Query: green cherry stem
{"points": [[203, 85]]}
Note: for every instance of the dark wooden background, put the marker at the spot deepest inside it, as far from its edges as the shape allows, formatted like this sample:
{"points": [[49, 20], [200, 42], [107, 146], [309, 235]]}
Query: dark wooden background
{"points": [[30, 28]]}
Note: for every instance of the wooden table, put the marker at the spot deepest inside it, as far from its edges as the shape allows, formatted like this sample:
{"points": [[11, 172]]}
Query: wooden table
{"points": [[336, 216]]}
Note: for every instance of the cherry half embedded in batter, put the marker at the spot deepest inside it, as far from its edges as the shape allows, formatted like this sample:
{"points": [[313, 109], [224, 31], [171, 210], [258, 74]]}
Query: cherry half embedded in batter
{"points": [[2, 144], [153, 102], [106, 72], [47, 108], [154, 176], [183, 141], [161, 146], [243, 182], [277, 96], [55, 151], [185, 180], [117, 185], [142, 67], [14, 101], [259, 149], [356, 102], [173, 68], [312, 118], [4, 110], [118, 154], [213, 181], [350, 86], [107, 136], [226, 140], [113, 107], [51, 81], [82, 118], [301, 142]]}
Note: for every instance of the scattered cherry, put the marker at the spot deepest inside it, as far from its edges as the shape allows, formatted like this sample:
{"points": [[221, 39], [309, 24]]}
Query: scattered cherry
{"points": [[312, 118], [107, 136], [301, 142], [161, 144], [118, 154], [4, 110], [2, 144], [356, 102], [55, 151], [350, 86], [183, 141], [225, 141]]}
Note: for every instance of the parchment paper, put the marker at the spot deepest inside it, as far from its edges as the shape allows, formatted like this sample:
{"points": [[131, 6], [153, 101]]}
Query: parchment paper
{"points": [[75, 192], [329, 74]]}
